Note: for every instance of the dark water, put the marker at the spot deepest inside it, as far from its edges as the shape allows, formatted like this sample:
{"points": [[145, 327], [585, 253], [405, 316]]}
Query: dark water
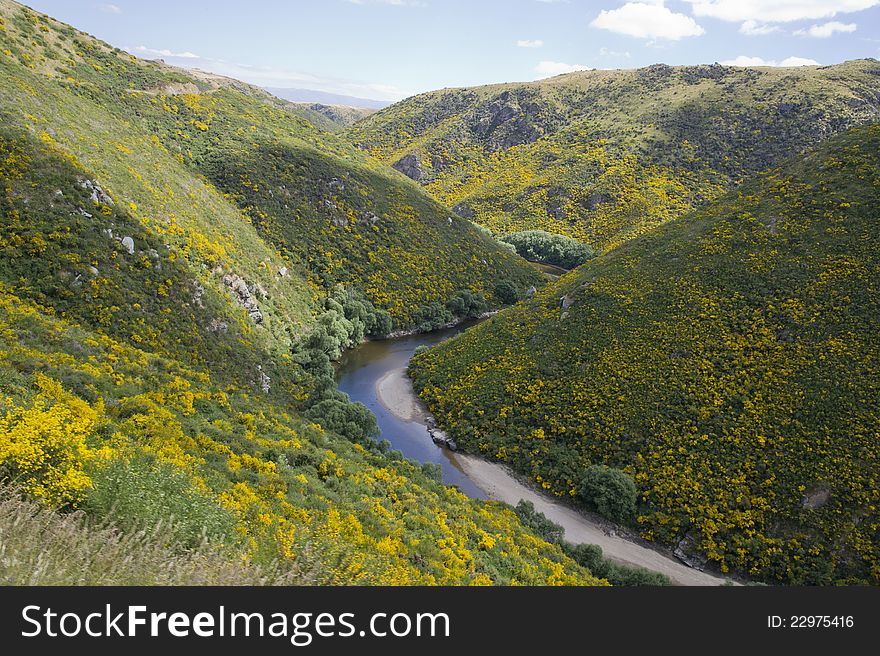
{"points": [[357, 374]]}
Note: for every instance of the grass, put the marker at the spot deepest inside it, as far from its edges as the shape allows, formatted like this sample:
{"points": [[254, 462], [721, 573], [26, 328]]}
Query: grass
{"points": [[39, 546]]}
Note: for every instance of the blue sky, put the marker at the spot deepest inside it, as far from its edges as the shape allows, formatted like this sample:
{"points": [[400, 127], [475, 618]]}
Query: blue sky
{"points": [[389, 49]]}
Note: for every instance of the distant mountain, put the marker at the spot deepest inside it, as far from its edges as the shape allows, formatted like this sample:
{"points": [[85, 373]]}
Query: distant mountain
{"points": [[604, 156], [324, 98]]}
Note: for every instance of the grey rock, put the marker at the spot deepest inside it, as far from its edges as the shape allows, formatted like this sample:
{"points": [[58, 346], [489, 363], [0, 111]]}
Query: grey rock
{"points": [[531, 291], [242, 293], [282, 271], [816, 499], [411, 166], [128, 244], [98, 195], [688, 553], [218, 326]]}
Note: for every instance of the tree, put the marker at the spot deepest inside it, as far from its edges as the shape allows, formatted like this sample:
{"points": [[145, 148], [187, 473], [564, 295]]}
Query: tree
{"points": [[507, 292], [541, 246], [610, 492]]}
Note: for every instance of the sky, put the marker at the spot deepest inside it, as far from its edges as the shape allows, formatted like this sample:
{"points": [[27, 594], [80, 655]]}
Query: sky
{"points": [[390, 49]]}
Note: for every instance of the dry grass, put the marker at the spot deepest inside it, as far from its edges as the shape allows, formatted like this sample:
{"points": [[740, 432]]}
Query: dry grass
{"points": [[39, 546]]}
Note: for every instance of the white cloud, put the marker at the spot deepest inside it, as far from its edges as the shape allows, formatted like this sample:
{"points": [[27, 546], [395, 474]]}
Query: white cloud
{"points": [[743, 60], [777, 11], [826, 30], [530, 43], [647, 20], [265, 76], [606, 52], [110, 9], [153, 53], [550, 68], [754, 28]]}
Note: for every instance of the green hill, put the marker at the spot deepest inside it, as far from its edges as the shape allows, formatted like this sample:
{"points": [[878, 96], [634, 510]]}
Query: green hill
{"points": [[180, 257], [251, 187], [729, 362], [604, 156]]}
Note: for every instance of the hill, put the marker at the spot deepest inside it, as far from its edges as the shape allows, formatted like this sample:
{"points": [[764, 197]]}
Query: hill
{"points": [[726, 362], [289, 197], [330, 117], [180, 258], [603, 156]]}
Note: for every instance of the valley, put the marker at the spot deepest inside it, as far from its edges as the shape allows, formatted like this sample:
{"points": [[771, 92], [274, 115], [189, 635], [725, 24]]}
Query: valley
{"points": [[641, 305]]}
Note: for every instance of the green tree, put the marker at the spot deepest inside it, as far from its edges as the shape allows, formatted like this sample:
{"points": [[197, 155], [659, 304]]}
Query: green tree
{"points": [[610, 492]]}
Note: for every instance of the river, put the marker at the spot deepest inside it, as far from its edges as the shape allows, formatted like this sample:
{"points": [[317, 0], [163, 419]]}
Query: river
{"points": [[357, 374], [373, 374]]}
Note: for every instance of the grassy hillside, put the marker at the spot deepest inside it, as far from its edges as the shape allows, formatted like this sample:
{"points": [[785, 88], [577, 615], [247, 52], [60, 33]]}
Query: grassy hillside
{"points": [[167, 247], [253, 189], [604, 156], [728, 362]]}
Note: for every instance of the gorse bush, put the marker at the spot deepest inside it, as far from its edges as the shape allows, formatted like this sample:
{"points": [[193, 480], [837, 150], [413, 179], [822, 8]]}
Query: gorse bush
{"points": [[549, 248], [610, 492]]}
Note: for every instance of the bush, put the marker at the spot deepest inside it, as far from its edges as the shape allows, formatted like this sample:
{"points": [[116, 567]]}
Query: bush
{"points": [[550, 248], [507, 292], [543, 527], [351, 420], [140, 493], [591, 557], [431, 317], [467, 305], [610, 492]]}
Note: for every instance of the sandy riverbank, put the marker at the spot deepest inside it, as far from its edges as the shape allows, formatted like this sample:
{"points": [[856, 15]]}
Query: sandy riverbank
{"points": [[394, 391]]}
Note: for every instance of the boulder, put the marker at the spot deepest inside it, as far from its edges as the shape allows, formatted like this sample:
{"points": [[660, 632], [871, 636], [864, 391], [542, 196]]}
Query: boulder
{"points": [[688, 553], [411, 166], [98, 195]]}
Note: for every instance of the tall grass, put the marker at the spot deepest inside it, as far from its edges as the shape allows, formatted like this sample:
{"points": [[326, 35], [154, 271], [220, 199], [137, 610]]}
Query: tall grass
{"points": [[39, 546]]}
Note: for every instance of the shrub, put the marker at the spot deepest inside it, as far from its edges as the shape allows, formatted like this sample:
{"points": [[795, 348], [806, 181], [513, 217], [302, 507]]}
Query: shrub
{"points": [[466, 304], [351, 420], [139, 493], [610, 492], [545, 528], [431, 317], [507, 292], [591, 557]]}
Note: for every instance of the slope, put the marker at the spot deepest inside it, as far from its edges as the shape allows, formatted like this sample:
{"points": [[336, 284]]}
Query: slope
{"points": [[604, 156], [727, 362], [194, 153], [154, 303]]}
